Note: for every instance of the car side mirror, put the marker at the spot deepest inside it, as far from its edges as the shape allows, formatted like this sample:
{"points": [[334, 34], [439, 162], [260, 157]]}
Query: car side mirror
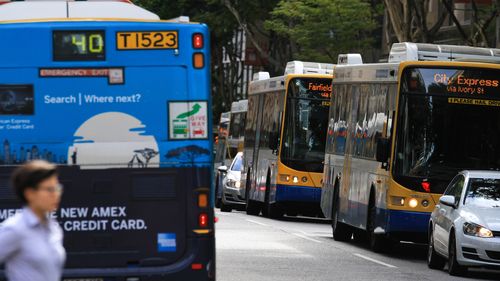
{"points": [[222, 169], [448, 200], [383, 147]]}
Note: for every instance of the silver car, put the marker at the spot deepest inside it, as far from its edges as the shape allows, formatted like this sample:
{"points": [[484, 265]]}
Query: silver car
{"points": [[464, 228], [228, 190]]}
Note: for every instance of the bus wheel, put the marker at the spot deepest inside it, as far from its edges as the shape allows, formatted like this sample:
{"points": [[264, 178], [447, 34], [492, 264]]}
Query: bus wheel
{"points": [[378, 243], [271, 210], [341, 231], [252, 208]]}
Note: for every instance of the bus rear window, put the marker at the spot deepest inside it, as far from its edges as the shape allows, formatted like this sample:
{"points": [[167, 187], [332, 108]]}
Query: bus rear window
{"points": [[16, 100]]}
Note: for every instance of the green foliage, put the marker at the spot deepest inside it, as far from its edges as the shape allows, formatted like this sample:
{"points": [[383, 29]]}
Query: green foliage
{"points": [[321, 29]]}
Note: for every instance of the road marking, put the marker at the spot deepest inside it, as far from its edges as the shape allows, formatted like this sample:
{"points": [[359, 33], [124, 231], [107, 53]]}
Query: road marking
{"points": [[305, 237], [256, 222], [375, 261]]}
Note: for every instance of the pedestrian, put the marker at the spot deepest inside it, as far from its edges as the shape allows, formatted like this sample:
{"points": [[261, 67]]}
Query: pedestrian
{"points": [[31, 241]]}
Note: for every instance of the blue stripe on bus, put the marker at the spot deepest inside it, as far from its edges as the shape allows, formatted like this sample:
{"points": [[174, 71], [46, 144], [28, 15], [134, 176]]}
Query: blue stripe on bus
{"points": [[405, 221], [297, 193]]}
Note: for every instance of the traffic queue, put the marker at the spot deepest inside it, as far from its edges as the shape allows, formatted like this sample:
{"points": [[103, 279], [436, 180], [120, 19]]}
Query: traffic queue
{"points": [[382, 149]]}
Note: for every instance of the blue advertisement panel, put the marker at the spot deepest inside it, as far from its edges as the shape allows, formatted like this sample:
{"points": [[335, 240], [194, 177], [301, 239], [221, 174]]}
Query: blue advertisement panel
{"points": [[86, 121]]}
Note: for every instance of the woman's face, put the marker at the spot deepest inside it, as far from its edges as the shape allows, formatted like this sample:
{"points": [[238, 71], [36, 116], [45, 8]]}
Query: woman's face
{"points": [[46, 197]]}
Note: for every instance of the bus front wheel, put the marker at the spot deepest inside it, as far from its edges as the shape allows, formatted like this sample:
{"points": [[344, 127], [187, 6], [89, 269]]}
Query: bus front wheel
{"points": [[378, 242], [271, 210]]}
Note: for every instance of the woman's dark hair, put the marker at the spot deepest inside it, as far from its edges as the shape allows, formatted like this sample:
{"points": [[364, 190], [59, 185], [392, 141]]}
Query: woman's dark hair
{"points": [[30, 175]]}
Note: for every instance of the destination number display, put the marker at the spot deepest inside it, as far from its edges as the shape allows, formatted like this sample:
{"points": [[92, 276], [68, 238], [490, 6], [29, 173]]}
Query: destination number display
{"points": [[461, 82], [84, 45]]}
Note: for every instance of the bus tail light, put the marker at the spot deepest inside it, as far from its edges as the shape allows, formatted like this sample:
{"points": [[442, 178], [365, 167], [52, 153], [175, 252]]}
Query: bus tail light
{"points": [[203, 220], [202, 200], [197, 40], [198, 60], [196, 266]]}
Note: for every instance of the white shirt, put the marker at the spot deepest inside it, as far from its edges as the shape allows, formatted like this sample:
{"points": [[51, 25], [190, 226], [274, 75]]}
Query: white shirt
{"points": [[30, 249]]}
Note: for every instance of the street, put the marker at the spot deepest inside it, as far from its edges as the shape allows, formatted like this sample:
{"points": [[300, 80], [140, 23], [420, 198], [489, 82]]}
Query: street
{"points": [[256, 248]]}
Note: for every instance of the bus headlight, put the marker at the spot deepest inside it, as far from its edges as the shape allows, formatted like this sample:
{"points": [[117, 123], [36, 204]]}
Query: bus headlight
{"points": [[285, 178], [397, 200], [295, 179], [304, 179], [473, 229], [237, 184], [413, 203]]}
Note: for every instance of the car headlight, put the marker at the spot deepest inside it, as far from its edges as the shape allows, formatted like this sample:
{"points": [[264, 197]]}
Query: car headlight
{"points": [[231, 183], [473, 229]]}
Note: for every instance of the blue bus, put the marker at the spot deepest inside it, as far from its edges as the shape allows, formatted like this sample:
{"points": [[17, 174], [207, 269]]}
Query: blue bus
{"points": [[120, 101]]}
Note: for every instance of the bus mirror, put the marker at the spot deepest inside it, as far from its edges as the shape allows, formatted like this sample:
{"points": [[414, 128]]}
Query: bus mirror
{"points": [[273, 141], [382, 150]]}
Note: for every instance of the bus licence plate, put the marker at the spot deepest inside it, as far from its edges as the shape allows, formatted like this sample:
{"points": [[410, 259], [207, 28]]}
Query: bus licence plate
{"points": [[149, 40]]}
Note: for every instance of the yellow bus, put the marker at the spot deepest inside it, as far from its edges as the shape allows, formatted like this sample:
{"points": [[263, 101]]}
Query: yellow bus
{"points": [[285, 140], [399, 132]]}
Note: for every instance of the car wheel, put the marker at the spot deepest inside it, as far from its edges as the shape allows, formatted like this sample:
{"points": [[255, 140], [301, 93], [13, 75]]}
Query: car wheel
{"points": [[454, 268], [434, 260], [225, 207], [341, 231]]}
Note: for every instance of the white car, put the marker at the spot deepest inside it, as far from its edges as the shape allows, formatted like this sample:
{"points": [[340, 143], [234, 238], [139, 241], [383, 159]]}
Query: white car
{"points": [[229, 192], [464, 228]]}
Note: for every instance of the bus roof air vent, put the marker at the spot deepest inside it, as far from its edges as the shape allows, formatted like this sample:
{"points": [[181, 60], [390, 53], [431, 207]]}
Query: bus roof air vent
{"points": [[90, 9], [262, 75], [350, 59], [181, 19], [432, 52], [304, 67]]}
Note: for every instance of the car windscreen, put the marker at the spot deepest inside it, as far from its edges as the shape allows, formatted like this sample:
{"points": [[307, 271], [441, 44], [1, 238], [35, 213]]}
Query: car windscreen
{"points": [[237, 164], [484, 193]]}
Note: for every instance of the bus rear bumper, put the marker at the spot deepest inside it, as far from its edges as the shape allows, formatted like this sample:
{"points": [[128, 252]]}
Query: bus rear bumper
{"points": [[202, 254]]}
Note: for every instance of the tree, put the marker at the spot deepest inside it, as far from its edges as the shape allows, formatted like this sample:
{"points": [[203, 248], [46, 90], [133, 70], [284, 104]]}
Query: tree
{"points": [[481, 19], [319, 30], [409, 20]]}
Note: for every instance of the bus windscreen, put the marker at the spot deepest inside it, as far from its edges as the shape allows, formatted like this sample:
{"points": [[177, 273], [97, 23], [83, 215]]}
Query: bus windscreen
{"points": [[448, 120], [306, 118]]}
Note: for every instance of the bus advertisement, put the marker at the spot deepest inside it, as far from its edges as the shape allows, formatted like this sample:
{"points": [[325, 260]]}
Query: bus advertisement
{"points": [[400, 131], [285, 140], [112, 103]]}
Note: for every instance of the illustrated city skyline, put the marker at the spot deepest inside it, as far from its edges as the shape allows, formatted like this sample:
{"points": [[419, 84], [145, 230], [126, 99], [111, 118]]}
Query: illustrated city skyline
{"points": [[9, 156]]}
